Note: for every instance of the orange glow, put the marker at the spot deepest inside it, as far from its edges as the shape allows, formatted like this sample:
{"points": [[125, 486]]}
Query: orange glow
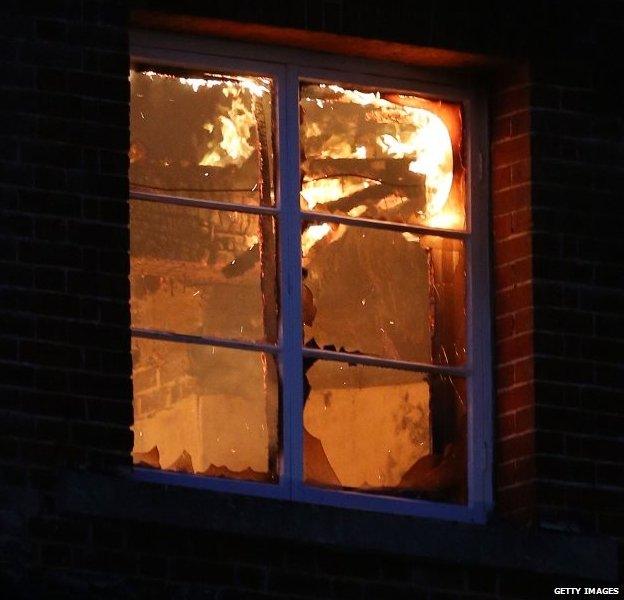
{"points": [[313, 234], [235, 134], [423, 136], [237, 124], [257, 85], [322, 191]]}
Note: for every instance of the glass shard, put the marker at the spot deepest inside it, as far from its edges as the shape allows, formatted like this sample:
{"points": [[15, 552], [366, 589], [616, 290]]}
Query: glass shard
{"points": [[385, 293], [382, 156], [207, 136], [199, 271], [384, 431], [205, 410]]}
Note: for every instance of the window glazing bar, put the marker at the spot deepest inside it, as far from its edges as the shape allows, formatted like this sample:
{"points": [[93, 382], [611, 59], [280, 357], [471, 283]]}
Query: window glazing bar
{"points": [[308, 215], [199, 203], [169, 336], [366, 359]]}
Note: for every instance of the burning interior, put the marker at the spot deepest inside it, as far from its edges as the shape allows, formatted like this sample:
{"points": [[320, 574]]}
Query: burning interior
{"points": [[392, 294]]}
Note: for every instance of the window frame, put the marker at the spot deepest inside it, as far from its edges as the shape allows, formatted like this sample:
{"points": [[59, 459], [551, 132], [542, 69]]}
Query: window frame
{"points": [[287, 67]]}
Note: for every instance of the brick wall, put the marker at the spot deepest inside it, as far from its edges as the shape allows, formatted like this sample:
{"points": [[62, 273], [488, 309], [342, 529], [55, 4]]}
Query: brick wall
{"points": [[557, 171], [65, 340], [513, 294], [578, 177]]}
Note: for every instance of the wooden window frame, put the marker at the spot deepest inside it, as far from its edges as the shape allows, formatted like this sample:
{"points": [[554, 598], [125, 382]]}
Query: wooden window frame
{"points": [[287, 67]]}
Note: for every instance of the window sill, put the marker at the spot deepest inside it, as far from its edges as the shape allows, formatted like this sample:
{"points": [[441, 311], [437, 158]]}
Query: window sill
{"points": [[497, 546]]}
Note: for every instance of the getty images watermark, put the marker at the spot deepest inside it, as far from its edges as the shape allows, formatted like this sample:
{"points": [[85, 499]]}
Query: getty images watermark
{"points": [[586, 591]]}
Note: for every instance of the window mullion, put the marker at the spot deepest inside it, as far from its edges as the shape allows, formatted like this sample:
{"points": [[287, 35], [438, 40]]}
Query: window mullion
{"points": [[291, 364], [478, 311]]}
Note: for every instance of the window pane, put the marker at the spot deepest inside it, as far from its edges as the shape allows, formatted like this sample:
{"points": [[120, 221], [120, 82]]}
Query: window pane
{"points": [[205, 410], [385, 431], [203, 137], [385, 293], [382, 155], [202, 272]]}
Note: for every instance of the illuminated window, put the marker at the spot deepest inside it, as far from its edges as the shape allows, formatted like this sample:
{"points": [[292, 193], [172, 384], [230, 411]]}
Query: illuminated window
{"points": [[304, 294]]}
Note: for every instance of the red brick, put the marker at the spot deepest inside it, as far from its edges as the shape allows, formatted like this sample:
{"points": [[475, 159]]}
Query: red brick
{"points": [[511, 199], [510, 101], [501, 177], [516, 398], [513, 273], [515, 447], [515, 298], [516, 472], [524, 370], [512, 249], [521, 172], [511, 151], [514, 348]]}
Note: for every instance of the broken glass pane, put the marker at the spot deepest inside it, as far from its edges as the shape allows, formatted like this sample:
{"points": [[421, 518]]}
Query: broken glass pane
{"points": [[202, 136], [384, 431], [385, 293], [205, 410], [384, 156], [199, 271]]}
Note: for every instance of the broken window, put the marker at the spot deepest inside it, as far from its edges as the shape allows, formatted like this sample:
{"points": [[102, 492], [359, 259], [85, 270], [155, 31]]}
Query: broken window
{"points": [[373, 396], [198, 143], [371, 158]]}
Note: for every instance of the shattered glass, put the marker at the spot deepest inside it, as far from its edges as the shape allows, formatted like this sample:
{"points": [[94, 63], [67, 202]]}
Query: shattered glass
{"points": [[206, 136], [208, 410], [384, 156], [390, 294], [187, 264], [385, 431], [205, 410], [385, 293], [200, 409]]}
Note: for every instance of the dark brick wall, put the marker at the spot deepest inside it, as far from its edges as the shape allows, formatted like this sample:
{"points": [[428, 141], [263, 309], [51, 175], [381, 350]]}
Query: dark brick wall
{"points": [[119, 559], [65, 341], [557, 150], [578, 180]]}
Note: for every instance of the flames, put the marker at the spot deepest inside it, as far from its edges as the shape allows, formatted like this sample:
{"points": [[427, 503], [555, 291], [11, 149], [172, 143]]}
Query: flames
{"points": [[315, 233], [322, 191], [236, 130], [430, 145], [419, 135], [237, 120], [257, 86]]}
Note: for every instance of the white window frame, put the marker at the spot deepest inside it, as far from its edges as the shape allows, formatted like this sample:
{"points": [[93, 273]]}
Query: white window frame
{"points": [[287, 67]]}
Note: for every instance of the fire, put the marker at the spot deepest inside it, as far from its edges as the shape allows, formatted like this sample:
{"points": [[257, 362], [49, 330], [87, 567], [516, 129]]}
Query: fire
{"points": [[256, 85], [421, 136], [322, 191], [235, 134], [434, 159], [251, 241], [445, 219], [237, 120], [313, 234], [316, 233]]}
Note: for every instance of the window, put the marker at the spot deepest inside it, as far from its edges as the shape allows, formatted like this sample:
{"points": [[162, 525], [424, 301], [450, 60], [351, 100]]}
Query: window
{"points": [[309, 290]]}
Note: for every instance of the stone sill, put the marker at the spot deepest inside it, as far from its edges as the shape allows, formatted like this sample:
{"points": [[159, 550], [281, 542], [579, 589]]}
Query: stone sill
{"points": [[492, 545]]}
